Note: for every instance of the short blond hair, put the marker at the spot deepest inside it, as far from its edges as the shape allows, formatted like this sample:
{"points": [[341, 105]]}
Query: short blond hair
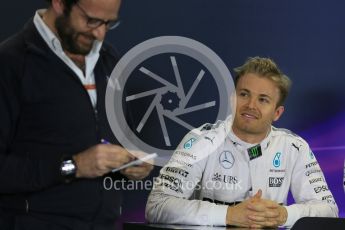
{"points": [[266, 67]]}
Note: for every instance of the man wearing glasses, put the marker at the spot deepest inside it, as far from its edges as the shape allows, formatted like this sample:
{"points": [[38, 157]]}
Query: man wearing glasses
{"points": [[53, 79]]}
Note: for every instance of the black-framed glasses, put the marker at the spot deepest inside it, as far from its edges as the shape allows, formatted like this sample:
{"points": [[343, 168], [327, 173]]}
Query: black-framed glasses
{"points": [[93, 23]]}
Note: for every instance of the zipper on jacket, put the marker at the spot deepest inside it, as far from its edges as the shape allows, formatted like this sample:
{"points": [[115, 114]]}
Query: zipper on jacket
{"points": [[97, 121]]}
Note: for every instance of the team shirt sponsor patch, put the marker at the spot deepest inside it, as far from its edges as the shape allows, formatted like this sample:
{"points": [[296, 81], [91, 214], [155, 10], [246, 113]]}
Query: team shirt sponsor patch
{"points": [[254, 152], [275, 181], [175, 170]]}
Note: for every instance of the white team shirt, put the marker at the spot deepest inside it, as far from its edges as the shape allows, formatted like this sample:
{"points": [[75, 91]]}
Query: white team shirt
{"points": [[227, 170]]}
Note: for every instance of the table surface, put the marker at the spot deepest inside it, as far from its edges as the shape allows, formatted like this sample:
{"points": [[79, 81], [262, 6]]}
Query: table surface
{"points": [[143, 226], [315, 223]]}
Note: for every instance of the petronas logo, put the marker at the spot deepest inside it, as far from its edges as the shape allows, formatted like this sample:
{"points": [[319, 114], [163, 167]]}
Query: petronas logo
{"points": [[189, 143], [254, 152]]}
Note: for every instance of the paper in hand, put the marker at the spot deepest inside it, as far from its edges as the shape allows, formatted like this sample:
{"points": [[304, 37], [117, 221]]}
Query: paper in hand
{"points": [[136, 162]]}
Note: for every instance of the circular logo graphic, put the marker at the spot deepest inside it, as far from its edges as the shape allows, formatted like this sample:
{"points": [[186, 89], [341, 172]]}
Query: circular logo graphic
{"points": [[168, 102], [226, 159]]}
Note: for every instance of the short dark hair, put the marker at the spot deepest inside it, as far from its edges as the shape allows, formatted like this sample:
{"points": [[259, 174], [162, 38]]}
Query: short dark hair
{"points": [[266, 67], [68, 4], [66, 1]]}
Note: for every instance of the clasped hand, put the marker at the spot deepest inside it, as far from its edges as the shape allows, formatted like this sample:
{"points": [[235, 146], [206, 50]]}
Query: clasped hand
{"points": [[256, 212]]}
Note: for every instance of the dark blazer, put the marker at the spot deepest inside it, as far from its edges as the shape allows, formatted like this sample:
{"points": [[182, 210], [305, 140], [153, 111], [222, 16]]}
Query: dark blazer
{"points": [[45, 114]]}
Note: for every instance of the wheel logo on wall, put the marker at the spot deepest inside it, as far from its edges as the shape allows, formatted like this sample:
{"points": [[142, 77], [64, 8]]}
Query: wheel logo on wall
{"points": [[170, 85]]}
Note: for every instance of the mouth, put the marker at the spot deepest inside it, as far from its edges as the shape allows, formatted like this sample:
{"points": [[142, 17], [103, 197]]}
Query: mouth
{"points": [[251, 116], [87, 40]]}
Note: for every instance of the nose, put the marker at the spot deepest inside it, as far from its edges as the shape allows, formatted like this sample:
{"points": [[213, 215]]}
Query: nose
{"points": [[251, 103], [99, 32]]}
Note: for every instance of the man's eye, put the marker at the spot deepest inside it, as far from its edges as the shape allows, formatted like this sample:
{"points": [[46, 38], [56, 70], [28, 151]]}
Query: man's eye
{"points": [[243, 94], [264, 100], [94, 21]]}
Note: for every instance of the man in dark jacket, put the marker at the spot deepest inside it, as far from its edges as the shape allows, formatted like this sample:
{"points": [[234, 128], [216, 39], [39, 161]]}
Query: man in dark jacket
{"points": [[53, 79]]}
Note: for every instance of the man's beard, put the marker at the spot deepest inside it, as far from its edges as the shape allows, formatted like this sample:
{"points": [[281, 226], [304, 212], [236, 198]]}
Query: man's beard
{"points": [[69, 36]]}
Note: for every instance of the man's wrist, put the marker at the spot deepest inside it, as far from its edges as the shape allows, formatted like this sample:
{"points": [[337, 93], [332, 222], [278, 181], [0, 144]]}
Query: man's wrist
{"points": [[283, 214], [229, 215], [76, 160]]}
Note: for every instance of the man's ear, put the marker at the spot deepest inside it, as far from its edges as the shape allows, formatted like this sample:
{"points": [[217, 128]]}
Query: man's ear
{"points": [[58, 6], [279, 111], [233, 102]]}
